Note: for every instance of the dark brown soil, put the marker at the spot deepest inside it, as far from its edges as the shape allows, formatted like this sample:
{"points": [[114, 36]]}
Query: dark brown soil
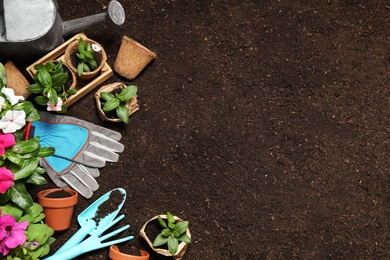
{"points": [[59, 194], [264, 123]]}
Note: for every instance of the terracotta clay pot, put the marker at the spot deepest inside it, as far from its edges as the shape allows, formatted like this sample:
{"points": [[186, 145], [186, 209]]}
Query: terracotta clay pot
{"points": [[182, 246], [71, 59], [115, 254], [58, 211], [132, 104]]}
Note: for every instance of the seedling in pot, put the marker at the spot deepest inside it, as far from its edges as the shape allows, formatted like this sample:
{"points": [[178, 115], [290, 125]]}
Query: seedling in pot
{"points": [[172, 233], [117, 101], [87, 62]]}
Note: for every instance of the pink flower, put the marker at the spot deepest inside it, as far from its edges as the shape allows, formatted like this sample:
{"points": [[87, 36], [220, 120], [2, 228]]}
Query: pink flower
{"points": [[96, 47], [6, 179], [57, 107], [12, 233], [6, 140]]}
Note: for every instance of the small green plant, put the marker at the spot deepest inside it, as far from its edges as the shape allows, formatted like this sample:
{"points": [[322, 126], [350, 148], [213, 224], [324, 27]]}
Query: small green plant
{"points": [[87, 61], [172, 233], [118, 102], [50, 81]]}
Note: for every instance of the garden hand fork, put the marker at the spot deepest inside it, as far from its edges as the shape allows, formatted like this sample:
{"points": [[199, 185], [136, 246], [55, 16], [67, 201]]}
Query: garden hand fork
{"points": [[92, 243]]}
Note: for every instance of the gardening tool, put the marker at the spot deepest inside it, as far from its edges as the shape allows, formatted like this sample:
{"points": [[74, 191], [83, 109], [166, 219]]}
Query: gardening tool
{"points": [[92, 243], [88, 225], [32, 28]]}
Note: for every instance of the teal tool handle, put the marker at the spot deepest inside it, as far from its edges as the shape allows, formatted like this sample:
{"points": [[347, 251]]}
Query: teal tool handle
{"points": [[74, 240]]}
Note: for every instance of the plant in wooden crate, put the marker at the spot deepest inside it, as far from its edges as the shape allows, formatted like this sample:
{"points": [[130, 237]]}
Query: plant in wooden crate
{"points": [[53, 85], [85, 57]]}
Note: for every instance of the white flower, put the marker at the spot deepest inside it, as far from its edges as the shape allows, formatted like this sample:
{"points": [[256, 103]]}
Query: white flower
{"points": [[10, 94], [2, 101], [95, 47], [52, 107], [12, 121]]}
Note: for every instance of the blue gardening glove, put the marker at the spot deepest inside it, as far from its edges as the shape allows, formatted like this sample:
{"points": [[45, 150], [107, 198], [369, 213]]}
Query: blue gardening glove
{"points": [[81, 148]]}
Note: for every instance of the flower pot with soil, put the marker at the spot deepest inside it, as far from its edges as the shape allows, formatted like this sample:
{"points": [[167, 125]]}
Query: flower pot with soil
{"points": [[116, 254], [116, 102], [85, 58], [167, 235], [54, 83], [58, 206]]}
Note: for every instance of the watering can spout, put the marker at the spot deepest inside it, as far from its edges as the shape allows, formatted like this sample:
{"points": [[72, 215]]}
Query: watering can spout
{"points": [[115, 12], [80, 24]]}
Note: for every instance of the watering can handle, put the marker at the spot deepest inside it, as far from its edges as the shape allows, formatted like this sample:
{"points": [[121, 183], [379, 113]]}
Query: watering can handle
{"points": [[74, 240]]}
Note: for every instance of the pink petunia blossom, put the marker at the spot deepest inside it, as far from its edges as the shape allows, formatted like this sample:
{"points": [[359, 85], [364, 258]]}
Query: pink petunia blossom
{"points": [[12, 233], [6, 179], [57, 107], [6, 140]]}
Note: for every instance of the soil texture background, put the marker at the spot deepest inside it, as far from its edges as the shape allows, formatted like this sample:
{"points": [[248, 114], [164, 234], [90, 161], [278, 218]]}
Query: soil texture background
{"points": [[263, 123]]}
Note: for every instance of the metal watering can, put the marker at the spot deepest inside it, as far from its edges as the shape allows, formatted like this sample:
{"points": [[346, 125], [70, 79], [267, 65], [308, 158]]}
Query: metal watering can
{"points": [[32, 28]]}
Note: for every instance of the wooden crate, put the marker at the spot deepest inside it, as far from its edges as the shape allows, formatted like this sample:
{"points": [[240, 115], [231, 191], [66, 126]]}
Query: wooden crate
{"points": [[83, 88]]}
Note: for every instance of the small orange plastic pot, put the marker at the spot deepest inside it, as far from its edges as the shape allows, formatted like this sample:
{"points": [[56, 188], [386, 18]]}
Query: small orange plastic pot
{"points": [[58, 211], [115, 254]]}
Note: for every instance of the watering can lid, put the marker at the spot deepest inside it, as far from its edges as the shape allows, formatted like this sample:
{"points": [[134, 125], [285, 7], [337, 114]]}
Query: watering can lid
{"points": [[28, 20]]}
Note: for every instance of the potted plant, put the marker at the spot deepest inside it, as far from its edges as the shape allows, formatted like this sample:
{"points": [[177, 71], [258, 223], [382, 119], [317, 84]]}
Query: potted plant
{"points": [[86, 58], [173, 236], [25, 236], [55, 82], [58, 206], [116, 102], [116, 254]]}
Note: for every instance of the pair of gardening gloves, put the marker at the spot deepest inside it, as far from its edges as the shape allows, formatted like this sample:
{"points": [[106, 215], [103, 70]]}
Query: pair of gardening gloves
{"points": [[81, 148]]}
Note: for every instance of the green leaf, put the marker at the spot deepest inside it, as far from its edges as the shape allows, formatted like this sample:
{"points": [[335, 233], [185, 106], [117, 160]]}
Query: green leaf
{"points": [[81, 45], [166, 232], [106, 96], [28, 168], [80, 68], [42, 100], [13, 210], [86, 68], [44, 78], [39, 66], [180, 228], [92, 63], [111, 104], [36, 179], [123, 113], [14, 157], [173, 244], [160, 240], [170, 217], [128, 92], [71, 91], [52, 95], [20, 196], [184, 238], [35, 88], [3, 75], [46, 151], [162, 222], [33, 116], [28, 146], [59, 80]]}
